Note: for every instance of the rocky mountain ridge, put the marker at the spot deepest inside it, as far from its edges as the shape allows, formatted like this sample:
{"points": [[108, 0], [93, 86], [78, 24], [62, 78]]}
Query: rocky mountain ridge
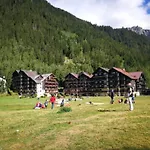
{"points": [[140, 30]]}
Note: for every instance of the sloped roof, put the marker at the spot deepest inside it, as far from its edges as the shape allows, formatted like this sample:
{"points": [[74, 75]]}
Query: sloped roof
{"points": [[32, 74], [38, 78], [136, 75], [124, 72], [106, 69], [74, 74], [46, 75], [86, 74], [17, 71]]}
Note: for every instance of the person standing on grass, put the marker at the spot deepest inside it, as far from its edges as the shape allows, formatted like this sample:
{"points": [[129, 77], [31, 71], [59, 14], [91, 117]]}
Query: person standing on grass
{"points": [[112, 95], [52, 101], [130, 95]]}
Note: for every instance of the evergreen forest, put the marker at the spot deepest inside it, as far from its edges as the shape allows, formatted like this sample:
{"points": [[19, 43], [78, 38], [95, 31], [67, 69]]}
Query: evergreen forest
{"points": [[37, 36]]}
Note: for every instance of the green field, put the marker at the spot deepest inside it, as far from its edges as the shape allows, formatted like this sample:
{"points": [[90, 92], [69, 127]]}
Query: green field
{"points": [[86, 127]]}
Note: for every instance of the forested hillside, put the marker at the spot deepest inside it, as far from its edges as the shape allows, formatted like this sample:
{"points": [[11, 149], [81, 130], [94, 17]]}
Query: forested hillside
{"points": [[35, 35]]}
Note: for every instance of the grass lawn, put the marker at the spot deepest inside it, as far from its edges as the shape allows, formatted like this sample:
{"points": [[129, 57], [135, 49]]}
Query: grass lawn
{"points": [[86, 127]]}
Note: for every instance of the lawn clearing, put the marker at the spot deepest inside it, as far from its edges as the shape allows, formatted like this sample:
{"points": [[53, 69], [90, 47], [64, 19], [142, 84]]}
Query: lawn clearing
{"points": [[86, 127]]}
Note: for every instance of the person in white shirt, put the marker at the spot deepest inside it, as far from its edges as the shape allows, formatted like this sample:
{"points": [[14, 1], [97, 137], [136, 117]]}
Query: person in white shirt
{"points": [[130, 95]]}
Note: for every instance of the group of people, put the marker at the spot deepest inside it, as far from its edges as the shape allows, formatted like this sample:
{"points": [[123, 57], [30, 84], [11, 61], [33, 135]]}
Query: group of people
{"points": [[39, 105], [130, 97], [52, 100]]}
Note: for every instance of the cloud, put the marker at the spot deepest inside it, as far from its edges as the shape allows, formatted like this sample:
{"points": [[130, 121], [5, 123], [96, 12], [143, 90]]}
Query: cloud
{"points": [[114, 13]]}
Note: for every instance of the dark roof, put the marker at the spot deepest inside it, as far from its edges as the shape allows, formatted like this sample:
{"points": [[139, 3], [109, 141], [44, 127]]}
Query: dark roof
{"points": [[17, 71], [106, 69], [86, 74]]}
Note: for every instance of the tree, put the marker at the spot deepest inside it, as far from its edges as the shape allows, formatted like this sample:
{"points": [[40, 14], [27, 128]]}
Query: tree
{"points": [[2, 86]]}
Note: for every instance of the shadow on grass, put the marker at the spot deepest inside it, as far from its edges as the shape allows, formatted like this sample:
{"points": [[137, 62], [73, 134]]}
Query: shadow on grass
{"points": [[106, 110], [111, 110]]}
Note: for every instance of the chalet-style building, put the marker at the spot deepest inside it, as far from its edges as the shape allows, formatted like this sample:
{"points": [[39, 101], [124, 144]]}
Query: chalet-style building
{"points": [[140, 81], [99, 82], [71, 84], [84, 83], [77, 84], [103, 80], [29, 83], [118, 80], [24, 82], [50, 84]]}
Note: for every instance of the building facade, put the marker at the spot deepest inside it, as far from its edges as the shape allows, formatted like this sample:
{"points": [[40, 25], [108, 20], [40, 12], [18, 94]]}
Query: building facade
{"points": [[49, 83], [140, 81], [84, 84], [99, 82], [71, 84], [103, 80], [26, 82], [118, 80]]}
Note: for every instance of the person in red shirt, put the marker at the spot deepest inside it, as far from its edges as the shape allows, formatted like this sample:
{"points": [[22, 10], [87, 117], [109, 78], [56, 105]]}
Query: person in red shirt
{"points": [[52, 101]]}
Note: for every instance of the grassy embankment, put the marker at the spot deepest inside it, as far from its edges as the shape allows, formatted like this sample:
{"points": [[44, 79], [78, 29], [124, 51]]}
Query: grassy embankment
{"points": [[86, 127]]}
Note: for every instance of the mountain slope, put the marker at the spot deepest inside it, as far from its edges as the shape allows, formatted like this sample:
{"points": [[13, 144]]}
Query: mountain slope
{"points": [[35, 35]]}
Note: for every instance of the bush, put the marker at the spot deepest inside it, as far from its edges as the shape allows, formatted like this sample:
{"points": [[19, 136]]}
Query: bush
{"points": [[2, 87], [64, 109]]}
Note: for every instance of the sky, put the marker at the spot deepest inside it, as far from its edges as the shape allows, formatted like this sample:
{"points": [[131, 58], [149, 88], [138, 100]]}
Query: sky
{"points": [[114, 13]]}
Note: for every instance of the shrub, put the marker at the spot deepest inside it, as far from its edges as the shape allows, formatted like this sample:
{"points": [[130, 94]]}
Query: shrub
{"points": [[64, 109], [2, 87]]}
